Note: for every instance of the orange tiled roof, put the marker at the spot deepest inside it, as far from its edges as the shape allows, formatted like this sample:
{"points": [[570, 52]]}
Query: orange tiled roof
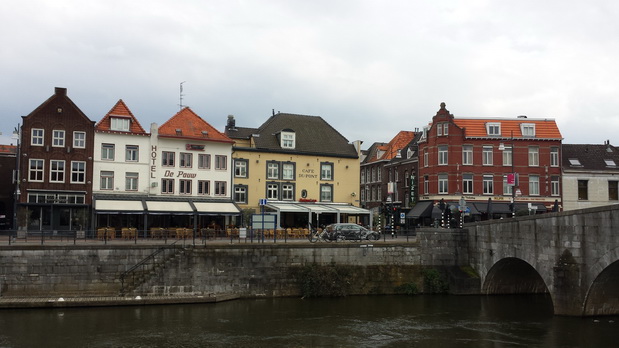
{"points": [[191, 126], [120, 109], [476, 127], [390, 150]]}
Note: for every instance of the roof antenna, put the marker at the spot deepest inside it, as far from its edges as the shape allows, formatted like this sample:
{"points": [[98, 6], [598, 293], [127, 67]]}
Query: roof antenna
{"points": [[181, 95]]}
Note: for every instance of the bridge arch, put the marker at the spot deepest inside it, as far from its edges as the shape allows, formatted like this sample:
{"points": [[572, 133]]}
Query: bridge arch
{"points": [[512, 275], [602, 298]]}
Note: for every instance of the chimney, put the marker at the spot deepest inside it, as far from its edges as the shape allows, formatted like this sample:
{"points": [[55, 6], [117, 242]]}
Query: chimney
{"points": [[231, 125], [60, 91]]}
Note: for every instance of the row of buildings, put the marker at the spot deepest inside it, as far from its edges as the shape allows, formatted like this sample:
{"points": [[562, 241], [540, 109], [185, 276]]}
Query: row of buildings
{"points": [[73, 173]]}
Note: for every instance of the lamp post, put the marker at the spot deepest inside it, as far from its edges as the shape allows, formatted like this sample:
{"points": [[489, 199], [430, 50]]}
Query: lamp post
{"points": [[17, 193]]}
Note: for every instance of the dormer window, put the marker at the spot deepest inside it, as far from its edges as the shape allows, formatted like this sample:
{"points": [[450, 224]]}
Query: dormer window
{"points": [[527, 129], [409, 153], [574, 162], [493, 129], [288, 139], [119, 124]]}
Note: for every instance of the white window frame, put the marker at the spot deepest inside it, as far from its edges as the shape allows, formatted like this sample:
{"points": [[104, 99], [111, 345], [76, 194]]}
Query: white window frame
{"points": [[326, 171], [288, 171], [554, 156], [38, 172], [106, 180], [534, 185], [58, 138], [467, 155], [443, 155], [445, 129], [79, 140], [527, 129], [487, 155], [555, 185], [54, 174], [240, 193], [488, 184], [78, 175], [493, 129], [467, 183], [240, 168], [37, 139], [443, 184], [288, 140], [507, 189], [132, 153], [287, 192], [272, 170], [533, 156], [507, 155], [121, 124], [326, 193], [272, 191]]}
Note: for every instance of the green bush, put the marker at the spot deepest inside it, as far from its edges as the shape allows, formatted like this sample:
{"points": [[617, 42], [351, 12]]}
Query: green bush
{"points": [[434, 283], [324, 281], [409, 289]]}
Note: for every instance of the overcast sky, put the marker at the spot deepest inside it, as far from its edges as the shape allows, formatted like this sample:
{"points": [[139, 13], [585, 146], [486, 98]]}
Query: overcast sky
{"points": [[369, 68]]}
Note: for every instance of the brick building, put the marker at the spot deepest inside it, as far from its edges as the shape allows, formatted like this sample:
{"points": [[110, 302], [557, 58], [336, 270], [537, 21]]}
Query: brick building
{"points": [[55, 167], [488, 162]]}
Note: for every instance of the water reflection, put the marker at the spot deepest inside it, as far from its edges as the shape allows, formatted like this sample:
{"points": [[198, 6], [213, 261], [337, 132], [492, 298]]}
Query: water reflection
{"points": [[378, 321]]}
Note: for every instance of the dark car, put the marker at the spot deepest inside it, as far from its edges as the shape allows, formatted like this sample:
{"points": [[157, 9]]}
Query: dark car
{"points": [[351, 232]]}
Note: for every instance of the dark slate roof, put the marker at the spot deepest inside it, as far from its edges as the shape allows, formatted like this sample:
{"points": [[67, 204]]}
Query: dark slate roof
{"points": [[313, 135], [590, 157], [372, 152], [240, 132]]}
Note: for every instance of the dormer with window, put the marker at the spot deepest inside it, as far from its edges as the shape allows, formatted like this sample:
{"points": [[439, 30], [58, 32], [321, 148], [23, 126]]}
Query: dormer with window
{"points": [[120, 124], [287, 139], [527, 129], [493, 129], [610, 163]]}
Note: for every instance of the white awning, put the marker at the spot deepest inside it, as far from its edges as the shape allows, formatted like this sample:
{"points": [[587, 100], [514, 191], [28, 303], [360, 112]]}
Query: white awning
{"points": [[216, 208], [349, 209], [104, 206], [157, 207], [289, 207], [317, 208]]}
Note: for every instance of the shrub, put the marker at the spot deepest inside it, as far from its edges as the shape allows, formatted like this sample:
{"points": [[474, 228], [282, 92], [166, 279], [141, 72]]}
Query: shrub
{"points": [[434, 283]]}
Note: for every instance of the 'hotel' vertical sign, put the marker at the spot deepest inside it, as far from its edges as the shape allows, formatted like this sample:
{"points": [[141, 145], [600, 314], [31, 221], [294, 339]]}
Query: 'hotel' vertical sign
{"points": [[153, 158]]}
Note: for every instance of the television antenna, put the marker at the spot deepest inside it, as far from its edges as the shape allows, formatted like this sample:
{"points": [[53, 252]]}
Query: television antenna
{"points": [[181, 95]]}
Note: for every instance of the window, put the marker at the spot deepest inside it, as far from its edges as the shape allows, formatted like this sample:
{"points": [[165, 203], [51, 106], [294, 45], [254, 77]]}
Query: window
{"points": [[79, 140], [426, 185], [204, 161], [507, 155], [487, 155], [167, 186], [326, 171], [185, 160], [35, 172], [167, 159], [554, 185], [554, 156], [272, 170], [184, 187], [425, 158], [613, 190], [273, 191], [240, 168], [56, 173], [493, 129], [288, 171], [442, 155], [488, 184], [406, 178], [610, 163], [533, 156], [379, 174], [58, 138], [467, 155], [527, 129], [574, 162], [220, 187], [439, 130], [379, 193], [78, 172], [326, 193], [507, 188], [362, 195], [204, 187], [221, 162], [240, 193], [131, 153], [443, 184], [107, 152], [583, 190], [467, 183], [373, 174], [119, 124], [362, 175], [445, 128], [288, 140], [534, 185], [131, 181], [288, 192], [107, 180], [37, 137]]}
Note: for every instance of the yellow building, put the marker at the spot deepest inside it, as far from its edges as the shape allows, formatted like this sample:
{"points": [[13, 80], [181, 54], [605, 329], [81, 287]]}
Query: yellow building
{"points": [[305, 170]]}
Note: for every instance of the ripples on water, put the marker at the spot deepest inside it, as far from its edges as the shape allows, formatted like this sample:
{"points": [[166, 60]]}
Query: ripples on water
{"points": [[367, 321]]}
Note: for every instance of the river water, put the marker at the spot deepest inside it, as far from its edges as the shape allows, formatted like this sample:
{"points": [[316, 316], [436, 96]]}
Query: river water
{"points": [[365, 321]]}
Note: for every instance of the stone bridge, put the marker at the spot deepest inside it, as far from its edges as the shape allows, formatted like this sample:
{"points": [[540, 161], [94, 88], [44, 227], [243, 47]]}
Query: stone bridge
{"points": [[573, 256]]}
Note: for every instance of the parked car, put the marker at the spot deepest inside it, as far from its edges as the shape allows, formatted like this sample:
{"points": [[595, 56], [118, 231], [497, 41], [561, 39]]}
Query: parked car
{"points": [[351, 232]]}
